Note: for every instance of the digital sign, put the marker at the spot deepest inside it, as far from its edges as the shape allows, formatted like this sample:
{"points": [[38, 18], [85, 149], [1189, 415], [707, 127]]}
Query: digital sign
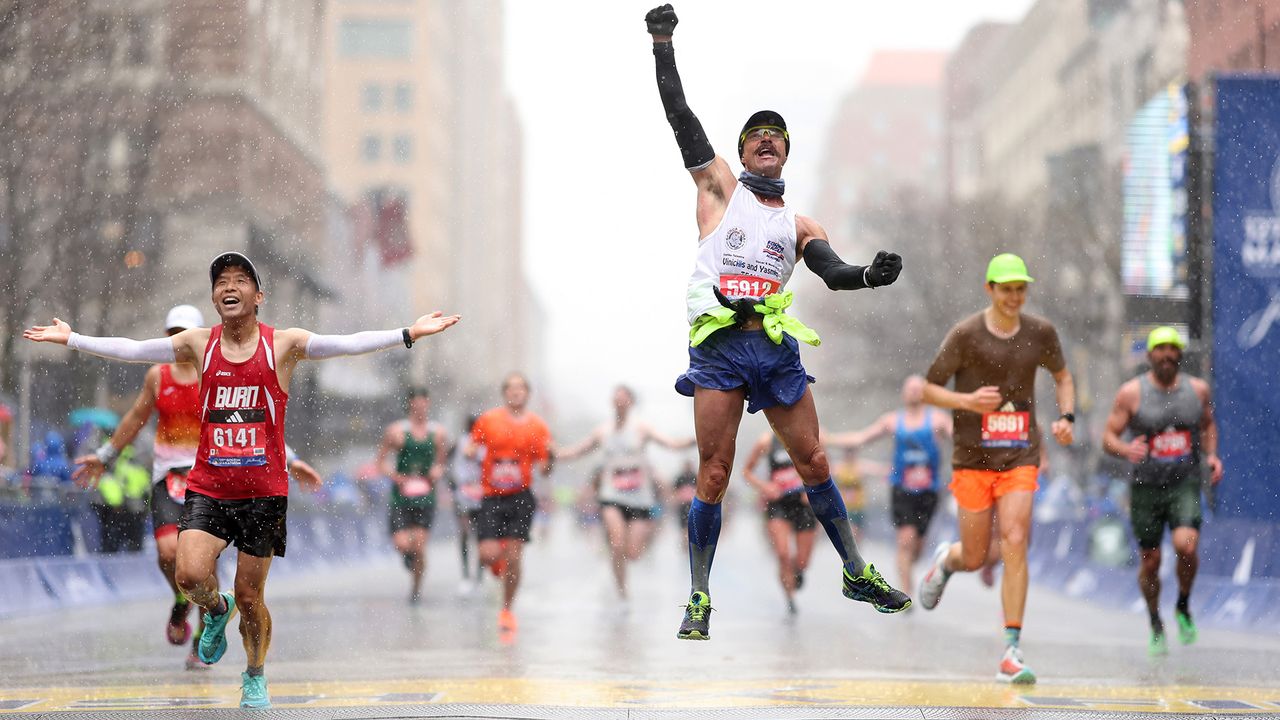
{"points": [[1154, 245]]}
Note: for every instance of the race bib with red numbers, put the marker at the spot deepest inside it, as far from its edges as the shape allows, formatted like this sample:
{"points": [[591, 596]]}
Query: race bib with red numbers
{"points": [[917, 478], [786, 479], [175, 483], [1006, 429], [736, 286], [1171, 446], [237, 437], [415, 486], [628, 479], [506, 475]]}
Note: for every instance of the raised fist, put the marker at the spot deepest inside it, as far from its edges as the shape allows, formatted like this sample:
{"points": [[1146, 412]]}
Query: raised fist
{"points": [[884, 269], [661, 20]]}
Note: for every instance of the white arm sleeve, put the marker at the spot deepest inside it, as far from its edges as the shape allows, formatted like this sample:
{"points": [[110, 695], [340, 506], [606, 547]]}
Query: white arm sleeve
{"points": [[320, 347], [158, 350]]}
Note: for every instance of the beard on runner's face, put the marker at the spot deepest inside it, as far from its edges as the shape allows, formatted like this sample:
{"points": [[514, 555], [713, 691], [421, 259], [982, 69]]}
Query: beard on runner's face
{"points": [[1165, 365]]}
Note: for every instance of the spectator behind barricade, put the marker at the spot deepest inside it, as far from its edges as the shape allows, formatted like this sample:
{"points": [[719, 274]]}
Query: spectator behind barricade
{"points": [[341, 489], [121, 505], [49, 458]]}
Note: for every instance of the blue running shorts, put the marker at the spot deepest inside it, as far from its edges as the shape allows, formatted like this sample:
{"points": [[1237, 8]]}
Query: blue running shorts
{"points": [[730, 358]]}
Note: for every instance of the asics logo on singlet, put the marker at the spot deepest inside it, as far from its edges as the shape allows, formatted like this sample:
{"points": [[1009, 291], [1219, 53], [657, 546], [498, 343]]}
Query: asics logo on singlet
{"points": [[245, 396], [221, 373]]}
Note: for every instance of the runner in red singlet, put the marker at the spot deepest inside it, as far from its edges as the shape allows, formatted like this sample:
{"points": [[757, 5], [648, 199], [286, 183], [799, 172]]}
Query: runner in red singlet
{"points": [[237, 493], [172, 390]]}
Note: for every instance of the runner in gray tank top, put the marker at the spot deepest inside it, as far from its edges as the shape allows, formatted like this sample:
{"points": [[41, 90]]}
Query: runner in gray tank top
{"points": [[1168, 416], [627, 488]]}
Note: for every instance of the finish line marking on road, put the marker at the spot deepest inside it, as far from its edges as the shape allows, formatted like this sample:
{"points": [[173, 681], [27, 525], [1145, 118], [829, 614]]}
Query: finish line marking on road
{"points": [[715, 694]]}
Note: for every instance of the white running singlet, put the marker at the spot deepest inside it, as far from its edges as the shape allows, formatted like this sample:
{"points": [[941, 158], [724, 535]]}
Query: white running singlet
{"points": [[751, 253], [626, 478]]}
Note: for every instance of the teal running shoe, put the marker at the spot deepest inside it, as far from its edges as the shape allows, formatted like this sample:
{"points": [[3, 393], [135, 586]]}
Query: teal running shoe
{"points": [[1158, 646], [213, 641], [253, 691], [870, 587], [697, 618], [1187, 632], [1013, 669]]}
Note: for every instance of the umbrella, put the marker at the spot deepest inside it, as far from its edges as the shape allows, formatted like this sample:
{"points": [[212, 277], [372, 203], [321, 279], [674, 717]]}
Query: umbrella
{"points": [[101, 417]]}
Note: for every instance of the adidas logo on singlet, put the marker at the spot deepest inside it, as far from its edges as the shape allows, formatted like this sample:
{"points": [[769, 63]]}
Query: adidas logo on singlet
{"points": [[235, 417]]}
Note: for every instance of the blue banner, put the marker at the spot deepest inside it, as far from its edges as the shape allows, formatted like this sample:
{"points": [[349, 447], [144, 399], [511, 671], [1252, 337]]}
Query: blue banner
{"points": [[1246, 293]]}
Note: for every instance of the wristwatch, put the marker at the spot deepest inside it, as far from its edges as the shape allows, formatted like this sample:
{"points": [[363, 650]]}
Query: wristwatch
{"points": [[1069, 417], [408, 339]]}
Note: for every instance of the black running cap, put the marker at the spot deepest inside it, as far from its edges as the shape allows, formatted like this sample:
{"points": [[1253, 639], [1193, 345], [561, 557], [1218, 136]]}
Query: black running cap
{"points": [[764, 118], [233, 259]]}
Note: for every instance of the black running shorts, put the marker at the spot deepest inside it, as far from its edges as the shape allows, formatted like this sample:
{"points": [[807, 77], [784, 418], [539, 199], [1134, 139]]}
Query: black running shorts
{"points": [[792, 508], [403, 517], [506, 516], [256, 526], [913, 509]]}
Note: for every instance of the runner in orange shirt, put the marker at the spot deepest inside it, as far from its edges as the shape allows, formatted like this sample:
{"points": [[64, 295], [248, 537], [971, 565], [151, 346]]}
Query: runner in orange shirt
{"points": [[993, 356], [515, 442]]}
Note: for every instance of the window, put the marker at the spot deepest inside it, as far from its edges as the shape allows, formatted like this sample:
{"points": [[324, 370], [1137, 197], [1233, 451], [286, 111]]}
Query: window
{"points": [[376, 39], [371, 97], [402, 148], [404, 97], [371, 148]]}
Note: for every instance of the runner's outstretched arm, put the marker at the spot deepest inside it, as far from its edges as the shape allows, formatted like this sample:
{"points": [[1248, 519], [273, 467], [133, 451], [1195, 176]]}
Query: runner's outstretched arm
{"points": [[819, 257], [175, 348], [313, 346]]}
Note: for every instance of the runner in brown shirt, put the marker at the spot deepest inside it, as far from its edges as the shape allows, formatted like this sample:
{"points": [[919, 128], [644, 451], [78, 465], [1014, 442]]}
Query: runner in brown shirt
{"points": [[993, 356]]}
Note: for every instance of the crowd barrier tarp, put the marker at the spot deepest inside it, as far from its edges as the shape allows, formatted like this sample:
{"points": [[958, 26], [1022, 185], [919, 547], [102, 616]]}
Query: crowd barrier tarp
{"points": [[35, 531], [21, 588], [74, 581], [133, 575]]}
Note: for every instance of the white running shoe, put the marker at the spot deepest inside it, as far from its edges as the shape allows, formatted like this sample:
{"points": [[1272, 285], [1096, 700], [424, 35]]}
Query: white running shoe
{"points": [[1013, 670], [935, 580]]}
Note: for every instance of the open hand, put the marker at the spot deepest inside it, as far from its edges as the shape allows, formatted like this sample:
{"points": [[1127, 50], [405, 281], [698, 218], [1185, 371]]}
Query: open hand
{"points": [[432, 324], [59, 332], [89, 470], [305, 475]]}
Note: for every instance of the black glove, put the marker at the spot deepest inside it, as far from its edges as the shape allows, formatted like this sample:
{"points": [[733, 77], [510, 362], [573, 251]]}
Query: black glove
{"points": [[661, 20], [884, 269]]}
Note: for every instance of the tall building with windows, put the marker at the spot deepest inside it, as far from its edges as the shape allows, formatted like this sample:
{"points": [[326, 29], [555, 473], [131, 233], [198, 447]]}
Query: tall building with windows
{"points": [[422, 143]]}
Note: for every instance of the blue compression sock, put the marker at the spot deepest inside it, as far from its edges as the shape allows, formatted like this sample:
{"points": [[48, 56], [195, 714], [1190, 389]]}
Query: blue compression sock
{"points": [[704, 533], [828, 507]]}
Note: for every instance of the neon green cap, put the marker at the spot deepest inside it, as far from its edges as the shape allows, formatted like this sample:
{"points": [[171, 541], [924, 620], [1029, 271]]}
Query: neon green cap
{"points": [[1007, 267], [1165, 335]]}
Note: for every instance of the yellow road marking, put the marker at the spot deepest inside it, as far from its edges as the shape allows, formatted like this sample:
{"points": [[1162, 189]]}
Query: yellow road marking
{"points": [[210, 692]]}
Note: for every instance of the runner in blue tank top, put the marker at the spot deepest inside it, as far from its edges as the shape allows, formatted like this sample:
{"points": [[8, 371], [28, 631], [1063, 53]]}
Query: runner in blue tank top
{"points": [[914, 479]]}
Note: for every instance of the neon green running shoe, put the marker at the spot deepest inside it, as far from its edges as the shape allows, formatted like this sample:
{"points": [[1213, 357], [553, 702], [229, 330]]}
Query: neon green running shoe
{"points": [[253, 691], [697, 618], [1187, 632], [213, 641], [1158, 645], [870, 587]]}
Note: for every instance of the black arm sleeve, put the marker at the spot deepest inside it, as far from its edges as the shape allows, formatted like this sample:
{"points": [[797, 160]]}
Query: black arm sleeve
{"points": [[836, 273], [691, 138]]}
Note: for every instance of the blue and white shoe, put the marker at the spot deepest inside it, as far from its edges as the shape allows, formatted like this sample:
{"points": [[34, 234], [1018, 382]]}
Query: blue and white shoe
{"points": [[253, 691], [213, 641]]}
